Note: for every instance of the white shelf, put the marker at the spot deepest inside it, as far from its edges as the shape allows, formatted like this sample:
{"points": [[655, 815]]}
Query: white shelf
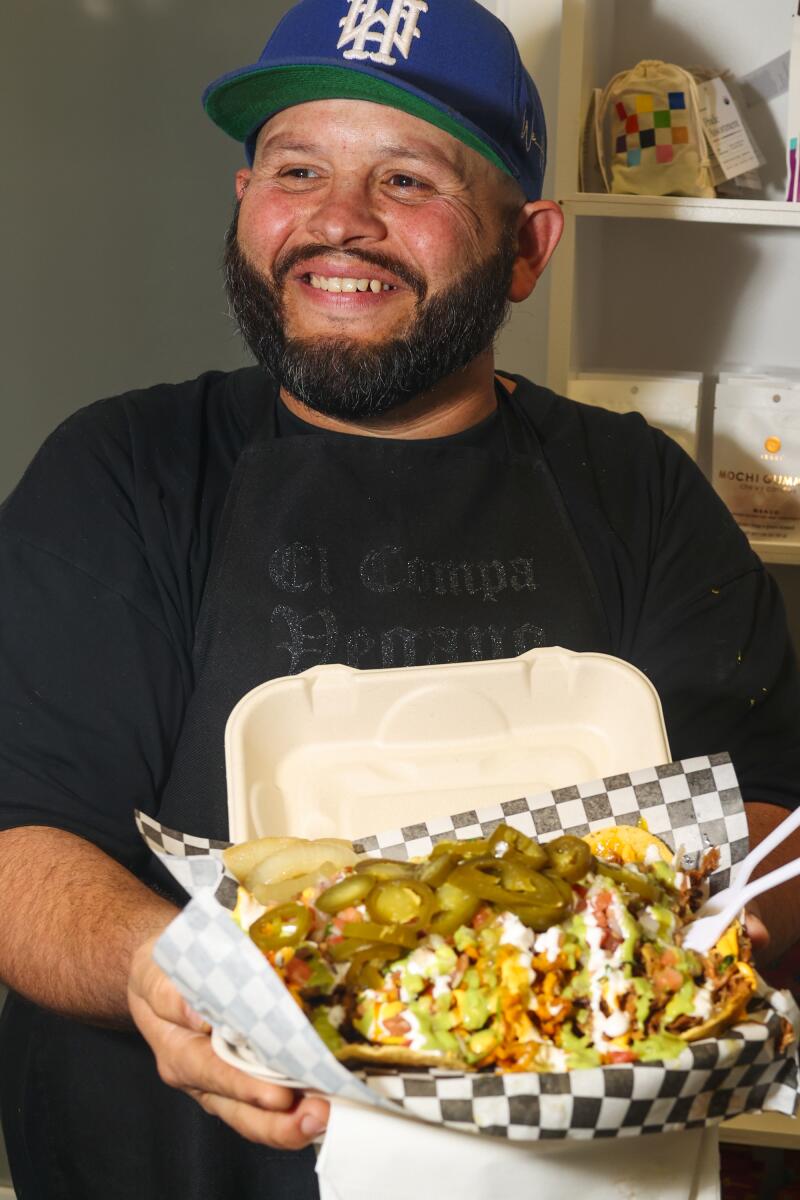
{"points": [[763, 1129], [765, 213], [776, 552], [625, 294]]}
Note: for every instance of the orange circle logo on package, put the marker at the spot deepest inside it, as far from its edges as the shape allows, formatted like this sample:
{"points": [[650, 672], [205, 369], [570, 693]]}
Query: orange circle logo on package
{"points": [[773, 445]]}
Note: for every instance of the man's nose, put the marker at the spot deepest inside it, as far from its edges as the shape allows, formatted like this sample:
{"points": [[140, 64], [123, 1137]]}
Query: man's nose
{"points": [[346, 214]]}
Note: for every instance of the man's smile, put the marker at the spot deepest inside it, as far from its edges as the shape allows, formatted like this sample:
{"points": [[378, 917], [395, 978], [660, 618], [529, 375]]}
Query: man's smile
{"points": [[335, 283], [354, 285], [347, 293]]}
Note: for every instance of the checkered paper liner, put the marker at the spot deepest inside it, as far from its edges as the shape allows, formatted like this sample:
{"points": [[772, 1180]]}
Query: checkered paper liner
{"points": [[691, 805]]}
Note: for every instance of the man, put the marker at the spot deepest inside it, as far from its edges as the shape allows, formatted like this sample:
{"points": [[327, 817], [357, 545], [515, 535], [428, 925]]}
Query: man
{"points": [[374, 493]]}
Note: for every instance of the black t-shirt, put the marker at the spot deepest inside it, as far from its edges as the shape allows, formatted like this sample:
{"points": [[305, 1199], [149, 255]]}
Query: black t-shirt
{"points": [[105, 547]]}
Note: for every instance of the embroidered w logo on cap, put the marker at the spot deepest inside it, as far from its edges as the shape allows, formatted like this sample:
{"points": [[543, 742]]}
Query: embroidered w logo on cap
{"points": [[366, 23]]}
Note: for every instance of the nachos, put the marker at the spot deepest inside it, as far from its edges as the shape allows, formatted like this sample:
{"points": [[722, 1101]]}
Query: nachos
{"points": [[507, 954]]}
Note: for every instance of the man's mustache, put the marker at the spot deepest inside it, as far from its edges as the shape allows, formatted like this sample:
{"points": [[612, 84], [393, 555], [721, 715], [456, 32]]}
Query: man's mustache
{"points": [[296, 258]]}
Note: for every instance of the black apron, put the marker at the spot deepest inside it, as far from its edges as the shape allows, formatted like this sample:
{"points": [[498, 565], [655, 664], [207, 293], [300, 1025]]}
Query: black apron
{"points": [[331, 548]]}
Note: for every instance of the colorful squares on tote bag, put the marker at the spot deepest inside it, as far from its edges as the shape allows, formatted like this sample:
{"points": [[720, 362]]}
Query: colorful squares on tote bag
{"points": [[642, 125]]}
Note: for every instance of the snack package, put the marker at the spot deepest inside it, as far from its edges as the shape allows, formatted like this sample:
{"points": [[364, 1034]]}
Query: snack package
{"points": [[691, 806], [669, 401], [756, 458]]}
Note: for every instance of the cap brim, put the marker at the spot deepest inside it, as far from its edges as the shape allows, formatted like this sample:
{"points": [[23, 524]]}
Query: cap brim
{"points": [[241, 102]]}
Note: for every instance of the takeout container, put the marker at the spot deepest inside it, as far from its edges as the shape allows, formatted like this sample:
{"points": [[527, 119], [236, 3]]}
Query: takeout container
{"points": [[336, 752], [395, 760]]}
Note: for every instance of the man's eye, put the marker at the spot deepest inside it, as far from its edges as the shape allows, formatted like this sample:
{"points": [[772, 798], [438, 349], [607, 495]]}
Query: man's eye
{"points": [[406, 182], [299, 173]]}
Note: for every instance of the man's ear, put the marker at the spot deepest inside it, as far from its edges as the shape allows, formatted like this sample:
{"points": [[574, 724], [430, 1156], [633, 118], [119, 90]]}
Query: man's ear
{"points": [[242, 179], [539, 229]]}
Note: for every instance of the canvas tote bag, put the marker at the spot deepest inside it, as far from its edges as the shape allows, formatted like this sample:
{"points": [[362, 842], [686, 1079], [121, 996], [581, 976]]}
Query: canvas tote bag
{"points": [[650, 138]]}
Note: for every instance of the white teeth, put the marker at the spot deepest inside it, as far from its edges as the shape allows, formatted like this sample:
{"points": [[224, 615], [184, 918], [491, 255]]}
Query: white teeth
{"points": [[332, 283]]}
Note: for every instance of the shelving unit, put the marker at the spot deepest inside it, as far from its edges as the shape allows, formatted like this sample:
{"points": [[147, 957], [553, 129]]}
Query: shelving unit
{"points": [[599, 320], [764, 213], [611, 270]]}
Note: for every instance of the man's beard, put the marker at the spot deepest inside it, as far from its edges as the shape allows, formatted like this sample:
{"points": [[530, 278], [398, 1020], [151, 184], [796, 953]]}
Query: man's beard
{"points": [[344, 378]]}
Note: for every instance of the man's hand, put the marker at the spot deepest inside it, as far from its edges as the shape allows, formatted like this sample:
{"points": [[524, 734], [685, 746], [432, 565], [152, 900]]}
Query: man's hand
{"points": [[178, 1037], [758, 933], [778, 910]]}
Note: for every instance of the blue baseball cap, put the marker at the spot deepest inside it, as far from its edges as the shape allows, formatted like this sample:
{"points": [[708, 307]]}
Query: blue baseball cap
{"points": [[450, 62]]}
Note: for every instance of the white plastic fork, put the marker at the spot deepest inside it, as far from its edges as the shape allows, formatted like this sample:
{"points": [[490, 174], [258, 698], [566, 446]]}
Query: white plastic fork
{"points": [[748, 864], [704, 931]]}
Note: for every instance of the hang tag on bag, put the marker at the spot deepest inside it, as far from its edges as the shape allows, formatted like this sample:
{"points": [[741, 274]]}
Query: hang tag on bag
{"points": [[725, 129], [650, 139]]}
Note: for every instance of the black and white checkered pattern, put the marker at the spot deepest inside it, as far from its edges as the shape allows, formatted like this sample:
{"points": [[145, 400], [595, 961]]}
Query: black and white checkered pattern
{"points": [[690, 805], [710, 1082], [694, 804], [195, 862], [229, 981]]}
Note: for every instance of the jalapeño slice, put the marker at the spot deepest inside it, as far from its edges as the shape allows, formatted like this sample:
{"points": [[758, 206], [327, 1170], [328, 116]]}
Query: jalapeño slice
{"points": [[284, 925], [483, 878], [634, 883], [363, 970], [345, 894], [570, 857], [506, 839], [390, 935], [400, 902], [454, 908], [385, 868]]}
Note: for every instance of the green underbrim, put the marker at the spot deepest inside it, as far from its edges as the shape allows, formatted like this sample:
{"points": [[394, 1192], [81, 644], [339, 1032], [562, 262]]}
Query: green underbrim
{"points": [[238, 105]]}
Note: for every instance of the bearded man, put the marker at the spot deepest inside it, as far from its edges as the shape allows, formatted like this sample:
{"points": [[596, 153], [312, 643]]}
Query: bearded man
{"points": [[373, 492]]}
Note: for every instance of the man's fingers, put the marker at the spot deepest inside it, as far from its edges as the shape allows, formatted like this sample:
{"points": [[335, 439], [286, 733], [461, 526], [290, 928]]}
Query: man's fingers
{"points": [[287, 1131], [192, 1064], [194, 1020], [186, 1060], [758, 933], [149, 983]]}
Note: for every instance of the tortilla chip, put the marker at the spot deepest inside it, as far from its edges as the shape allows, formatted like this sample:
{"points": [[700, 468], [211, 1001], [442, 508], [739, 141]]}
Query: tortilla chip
{"points": [[398, 1056], [629, 843], [741, 988]]}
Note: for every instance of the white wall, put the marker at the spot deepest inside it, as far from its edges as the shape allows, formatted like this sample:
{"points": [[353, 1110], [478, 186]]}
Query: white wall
{"points": [[117, 191], [536, 25]]}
